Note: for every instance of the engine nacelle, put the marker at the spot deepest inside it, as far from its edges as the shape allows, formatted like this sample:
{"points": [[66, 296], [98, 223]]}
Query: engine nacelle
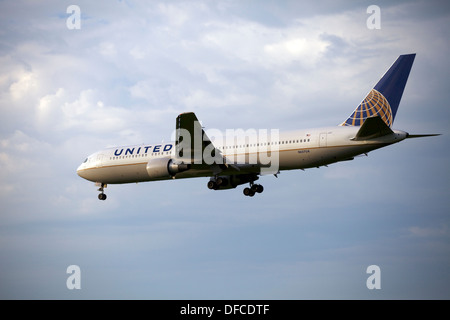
{"points": [[163, 168], [232, 181]]}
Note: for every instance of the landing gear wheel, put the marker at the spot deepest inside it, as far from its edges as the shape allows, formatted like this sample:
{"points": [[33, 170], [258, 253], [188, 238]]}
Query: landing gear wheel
{"points": [[257, 188], [249, 192], [212, 185], [102, 196], [219, 181], [253, 189]]}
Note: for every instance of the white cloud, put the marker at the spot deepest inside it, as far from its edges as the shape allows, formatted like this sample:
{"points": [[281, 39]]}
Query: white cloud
{"points": [[175, 15], [267, 47], [48, 108], [26, 84], [308, 51], [107, 49]]}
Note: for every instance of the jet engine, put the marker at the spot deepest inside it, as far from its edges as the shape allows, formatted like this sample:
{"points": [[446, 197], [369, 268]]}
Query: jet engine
{"points": [[163, 168]]}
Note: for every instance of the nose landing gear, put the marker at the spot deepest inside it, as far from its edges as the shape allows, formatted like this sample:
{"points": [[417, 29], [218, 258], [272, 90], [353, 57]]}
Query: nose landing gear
{"points": [[102, 195]]}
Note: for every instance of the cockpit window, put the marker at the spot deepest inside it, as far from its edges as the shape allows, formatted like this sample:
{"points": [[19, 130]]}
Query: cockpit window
{"points": [[85, 160]]}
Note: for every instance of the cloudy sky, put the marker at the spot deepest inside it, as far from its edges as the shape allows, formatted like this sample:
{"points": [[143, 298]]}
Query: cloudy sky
{"points": [[133, 66]]}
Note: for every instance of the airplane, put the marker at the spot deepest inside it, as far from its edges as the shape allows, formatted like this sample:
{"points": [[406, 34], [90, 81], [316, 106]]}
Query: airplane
{"points": [[243, 158]]}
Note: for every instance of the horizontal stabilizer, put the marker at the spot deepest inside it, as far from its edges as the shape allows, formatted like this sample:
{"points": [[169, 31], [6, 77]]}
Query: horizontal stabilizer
{"points": [[422, 135], [372, 127]]}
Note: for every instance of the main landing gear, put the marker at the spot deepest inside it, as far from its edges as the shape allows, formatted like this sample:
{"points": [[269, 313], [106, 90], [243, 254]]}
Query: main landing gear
{"points": [[254, 188], [101, 196], [232, 181]]}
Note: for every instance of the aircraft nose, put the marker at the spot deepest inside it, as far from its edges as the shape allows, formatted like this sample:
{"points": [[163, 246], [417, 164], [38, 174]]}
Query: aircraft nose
{"points": [[80, 170]]}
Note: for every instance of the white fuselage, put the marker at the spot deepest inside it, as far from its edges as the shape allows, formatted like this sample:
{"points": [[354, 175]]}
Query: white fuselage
{"points": [[294, 150]]}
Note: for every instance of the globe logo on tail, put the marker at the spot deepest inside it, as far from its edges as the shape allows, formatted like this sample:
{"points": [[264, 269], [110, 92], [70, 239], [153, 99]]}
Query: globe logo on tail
{"points": [[374, 104]]}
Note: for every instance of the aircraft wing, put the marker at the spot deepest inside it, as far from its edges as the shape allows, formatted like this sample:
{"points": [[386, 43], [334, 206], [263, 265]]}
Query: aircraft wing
{"points": [[192, 145]]}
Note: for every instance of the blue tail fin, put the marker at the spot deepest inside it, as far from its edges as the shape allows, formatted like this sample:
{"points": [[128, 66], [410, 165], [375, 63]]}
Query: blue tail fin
{"points": [[384, 98]]}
